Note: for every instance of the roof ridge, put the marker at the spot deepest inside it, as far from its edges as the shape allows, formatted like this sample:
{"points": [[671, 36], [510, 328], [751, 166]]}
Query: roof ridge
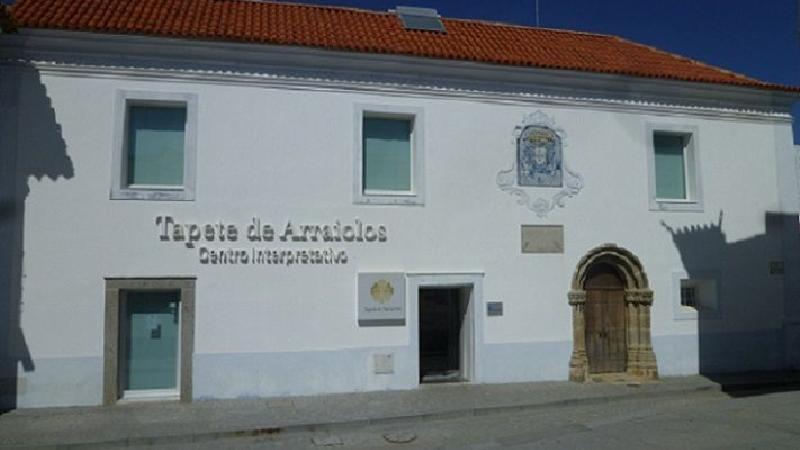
{"points": [[344, 28], [390, 12], [499, 23], [688, 59], [314, 5]]}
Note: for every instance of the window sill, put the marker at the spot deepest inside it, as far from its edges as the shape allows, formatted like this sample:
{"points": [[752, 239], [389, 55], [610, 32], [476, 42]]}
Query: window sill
{"points": [[166, 194], [389, 199], [676, 205], [705, 313], [149, 396], [685, 313]]}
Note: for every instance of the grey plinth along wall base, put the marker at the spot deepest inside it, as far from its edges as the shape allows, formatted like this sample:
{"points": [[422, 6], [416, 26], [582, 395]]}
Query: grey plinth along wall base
{"points": [[638, 300], [115, 292]]}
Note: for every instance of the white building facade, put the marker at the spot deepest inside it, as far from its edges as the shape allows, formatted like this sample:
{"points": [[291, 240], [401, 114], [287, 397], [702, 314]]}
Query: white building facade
{"points": [[311, 210]]}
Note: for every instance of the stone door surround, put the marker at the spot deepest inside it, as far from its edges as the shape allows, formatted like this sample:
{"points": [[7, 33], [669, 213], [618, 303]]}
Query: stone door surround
{"points": [[638, 300], [115, 288]]}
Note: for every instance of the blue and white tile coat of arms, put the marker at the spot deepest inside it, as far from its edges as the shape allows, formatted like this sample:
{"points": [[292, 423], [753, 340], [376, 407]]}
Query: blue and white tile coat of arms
{"points": [[539, 157], [539, 164]]}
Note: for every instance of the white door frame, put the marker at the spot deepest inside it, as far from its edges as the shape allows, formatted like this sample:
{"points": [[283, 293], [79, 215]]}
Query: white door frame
{"points": [[472, 352]]}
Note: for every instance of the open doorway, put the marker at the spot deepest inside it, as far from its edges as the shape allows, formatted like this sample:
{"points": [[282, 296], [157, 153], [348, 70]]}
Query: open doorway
{"points": [[443, 337]]}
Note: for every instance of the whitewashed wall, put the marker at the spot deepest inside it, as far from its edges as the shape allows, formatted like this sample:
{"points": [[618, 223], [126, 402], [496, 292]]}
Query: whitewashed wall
{"points": [[283, 154]]}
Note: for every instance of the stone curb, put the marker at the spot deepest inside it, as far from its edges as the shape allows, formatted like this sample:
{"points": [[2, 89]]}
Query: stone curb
{"points": [[195, 437]]}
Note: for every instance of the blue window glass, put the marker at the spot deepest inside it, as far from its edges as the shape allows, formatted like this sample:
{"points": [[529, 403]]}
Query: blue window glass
{"points": [[670, 161], [155, 145], [151, 340], [386, 154]]}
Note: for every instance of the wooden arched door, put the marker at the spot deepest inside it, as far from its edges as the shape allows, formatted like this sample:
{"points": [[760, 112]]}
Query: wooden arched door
{"points": [[606, 346]]}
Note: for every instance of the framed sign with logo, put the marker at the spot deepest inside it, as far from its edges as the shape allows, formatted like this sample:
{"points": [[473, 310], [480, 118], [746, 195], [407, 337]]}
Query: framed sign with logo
{"points": [[381, 299]]}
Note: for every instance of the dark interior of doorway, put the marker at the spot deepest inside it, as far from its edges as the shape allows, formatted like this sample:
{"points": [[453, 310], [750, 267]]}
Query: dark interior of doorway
{"points": [[441, 317]]}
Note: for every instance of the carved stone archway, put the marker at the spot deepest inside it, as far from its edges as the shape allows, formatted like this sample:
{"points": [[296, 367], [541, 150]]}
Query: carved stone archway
{"points": [[638, 300]]}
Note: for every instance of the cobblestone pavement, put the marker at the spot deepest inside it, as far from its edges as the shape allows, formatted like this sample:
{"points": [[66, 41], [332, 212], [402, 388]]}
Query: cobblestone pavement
{"points": [[164, 422], [709, 421]]}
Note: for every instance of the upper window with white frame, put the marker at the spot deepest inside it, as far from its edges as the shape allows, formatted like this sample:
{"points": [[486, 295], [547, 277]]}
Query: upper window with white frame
{"points": [[154, 154], [388, 156], [674, 170]]}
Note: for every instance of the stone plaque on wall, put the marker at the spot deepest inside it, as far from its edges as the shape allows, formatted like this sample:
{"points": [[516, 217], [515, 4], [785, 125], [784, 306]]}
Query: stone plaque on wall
{"points": [[542, 239], [381, 299]]}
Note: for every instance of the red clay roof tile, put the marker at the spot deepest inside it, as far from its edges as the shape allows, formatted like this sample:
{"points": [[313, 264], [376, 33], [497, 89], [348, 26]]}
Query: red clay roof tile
{"points": [[350, 29]]}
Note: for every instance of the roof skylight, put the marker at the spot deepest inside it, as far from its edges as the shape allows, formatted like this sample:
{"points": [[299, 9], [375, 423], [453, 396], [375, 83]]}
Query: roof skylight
{"points": [[415, 18]]}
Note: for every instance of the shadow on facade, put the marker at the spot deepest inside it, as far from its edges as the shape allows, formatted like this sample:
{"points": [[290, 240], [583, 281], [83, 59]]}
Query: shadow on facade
{"points": [[748, 295], [31, 149]]}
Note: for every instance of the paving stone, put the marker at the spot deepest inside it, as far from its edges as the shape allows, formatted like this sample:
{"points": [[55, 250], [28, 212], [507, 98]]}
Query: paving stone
{"points": [[327, 441], [400, 437], [209, 419]]}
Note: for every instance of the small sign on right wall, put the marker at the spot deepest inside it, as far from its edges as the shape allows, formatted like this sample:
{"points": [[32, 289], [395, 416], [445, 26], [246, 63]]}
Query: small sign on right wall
{"points": [[494, 309]]}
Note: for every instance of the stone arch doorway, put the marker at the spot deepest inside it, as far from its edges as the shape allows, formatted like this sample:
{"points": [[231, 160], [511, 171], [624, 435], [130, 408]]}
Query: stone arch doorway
{"points": [[611, 299]]}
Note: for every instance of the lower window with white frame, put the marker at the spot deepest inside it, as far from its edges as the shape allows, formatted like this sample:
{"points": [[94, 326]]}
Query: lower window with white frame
{"points": [[695, 295], [689, 296]]}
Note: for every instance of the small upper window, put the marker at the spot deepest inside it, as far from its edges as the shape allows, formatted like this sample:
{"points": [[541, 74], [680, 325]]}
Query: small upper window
{"points": [[389, 158], [154, 155], [674, 170]]}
